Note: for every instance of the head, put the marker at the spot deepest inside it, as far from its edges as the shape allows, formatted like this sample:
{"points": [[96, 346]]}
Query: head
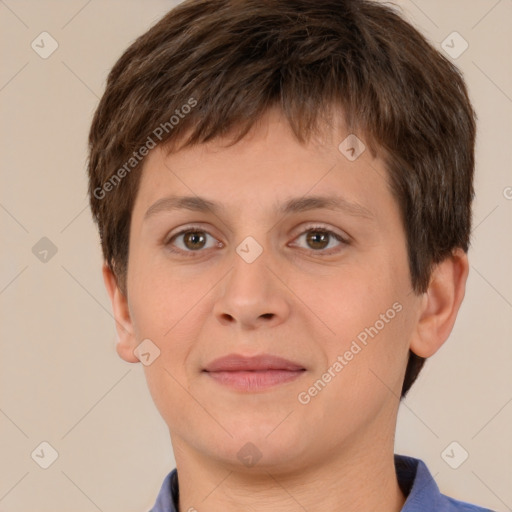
{"points": [[250, 105]]}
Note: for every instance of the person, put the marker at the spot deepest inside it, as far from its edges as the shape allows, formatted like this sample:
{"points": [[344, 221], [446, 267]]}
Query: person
{"points": [[283, 191]]}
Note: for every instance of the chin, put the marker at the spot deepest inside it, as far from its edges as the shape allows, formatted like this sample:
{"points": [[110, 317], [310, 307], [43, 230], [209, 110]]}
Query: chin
{"points": [[262, 449]]}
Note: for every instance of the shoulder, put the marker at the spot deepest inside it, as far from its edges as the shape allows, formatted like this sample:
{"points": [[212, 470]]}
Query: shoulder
{"points": [[462, 506], [167, 499], [421, 491]]}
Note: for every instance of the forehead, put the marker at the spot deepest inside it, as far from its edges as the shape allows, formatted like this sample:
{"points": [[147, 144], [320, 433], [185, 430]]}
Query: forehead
{"points": [[269, 167]]}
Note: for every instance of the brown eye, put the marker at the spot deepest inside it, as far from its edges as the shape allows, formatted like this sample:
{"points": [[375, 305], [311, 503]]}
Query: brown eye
{"points": [[194, 240], [191, 241], [322, 240], [318, 239]]}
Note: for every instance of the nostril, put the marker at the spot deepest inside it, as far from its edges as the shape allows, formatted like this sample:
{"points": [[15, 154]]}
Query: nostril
{"points": [[227, 317], [267, 315]]}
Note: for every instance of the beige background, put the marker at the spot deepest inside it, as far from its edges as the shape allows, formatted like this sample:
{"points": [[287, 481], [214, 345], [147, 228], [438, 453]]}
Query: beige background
{"points": [[61, 380]]}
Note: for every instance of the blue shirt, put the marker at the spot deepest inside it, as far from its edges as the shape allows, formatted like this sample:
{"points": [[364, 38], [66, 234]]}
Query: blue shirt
{"points": [[414, 478]]}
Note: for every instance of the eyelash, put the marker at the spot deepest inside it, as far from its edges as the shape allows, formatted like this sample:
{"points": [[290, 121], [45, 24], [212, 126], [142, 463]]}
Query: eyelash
{"points": [[192, 229]]}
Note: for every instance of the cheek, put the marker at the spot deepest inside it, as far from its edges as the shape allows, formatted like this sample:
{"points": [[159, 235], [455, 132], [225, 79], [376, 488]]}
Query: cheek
{"points": [[170, 376], [362, 379], [165, 310], [369, 324], [162, 296], [347, 300]]}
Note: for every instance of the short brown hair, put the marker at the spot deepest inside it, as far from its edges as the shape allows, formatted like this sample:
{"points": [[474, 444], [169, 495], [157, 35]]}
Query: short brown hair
{"points": [[231, 60]]}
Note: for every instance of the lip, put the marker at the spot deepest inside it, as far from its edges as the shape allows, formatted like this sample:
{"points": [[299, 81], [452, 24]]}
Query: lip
{"points": [[235, 362], [254, 373]]}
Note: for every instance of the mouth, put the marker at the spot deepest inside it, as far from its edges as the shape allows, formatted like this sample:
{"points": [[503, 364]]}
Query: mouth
{"points": [[255, 373]]}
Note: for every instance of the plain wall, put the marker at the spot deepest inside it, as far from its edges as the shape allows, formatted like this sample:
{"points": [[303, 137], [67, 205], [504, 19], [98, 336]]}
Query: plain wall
{"points": [[61, 380]]}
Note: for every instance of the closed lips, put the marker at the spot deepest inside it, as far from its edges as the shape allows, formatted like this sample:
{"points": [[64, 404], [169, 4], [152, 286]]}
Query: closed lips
{"points": [[264, 362]]}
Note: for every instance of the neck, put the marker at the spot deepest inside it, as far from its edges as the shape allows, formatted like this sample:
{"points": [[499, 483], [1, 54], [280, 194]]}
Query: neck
{"points": [[361, 476]]}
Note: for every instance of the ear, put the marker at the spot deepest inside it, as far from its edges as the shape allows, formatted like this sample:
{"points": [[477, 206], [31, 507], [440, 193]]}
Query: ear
{"points": [[126, 342], [440, 304]]}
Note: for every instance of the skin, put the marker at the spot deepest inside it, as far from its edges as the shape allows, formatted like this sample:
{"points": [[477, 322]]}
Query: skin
{"points": [[293, 301]]}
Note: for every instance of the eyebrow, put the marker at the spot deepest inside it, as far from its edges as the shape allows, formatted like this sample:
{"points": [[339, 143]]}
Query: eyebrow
{"points": [[294, 205]]}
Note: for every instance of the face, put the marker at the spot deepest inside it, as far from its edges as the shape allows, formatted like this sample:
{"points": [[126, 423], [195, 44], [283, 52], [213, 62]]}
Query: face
{"points": [[285, 250]]}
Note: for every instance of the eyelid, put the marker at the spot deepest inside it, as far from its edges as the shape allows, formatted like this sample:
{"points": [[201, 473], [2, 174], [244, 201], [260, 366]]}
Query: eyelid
{"points": [[342, 238], [324, 227], [187, 229]]}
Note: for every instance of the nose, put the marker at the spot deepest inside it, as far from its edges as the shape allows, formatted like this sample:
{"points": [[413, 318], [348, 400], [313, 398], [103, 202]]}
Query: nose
{"points": [[252, 296]]}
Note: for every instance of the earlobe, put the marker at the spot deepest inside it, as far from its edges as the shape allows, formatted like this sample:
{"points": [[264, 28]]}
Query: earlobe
{"points": [[441, 303], [126, 342]]}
